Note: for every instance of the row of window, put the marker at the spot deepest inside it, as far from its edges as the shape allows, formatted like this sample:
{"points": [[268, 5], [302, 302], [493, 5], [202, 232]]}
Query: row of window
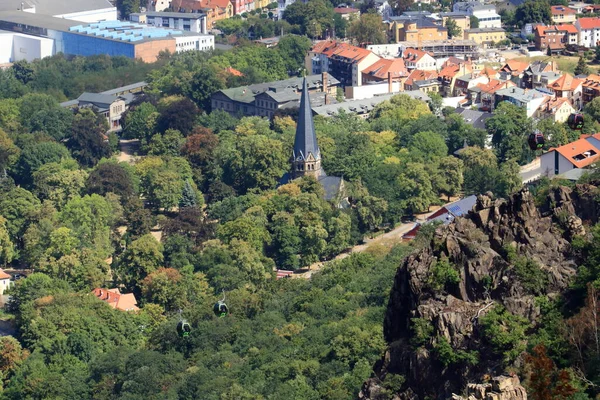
{"points": [[489, 19], [118, 109]]}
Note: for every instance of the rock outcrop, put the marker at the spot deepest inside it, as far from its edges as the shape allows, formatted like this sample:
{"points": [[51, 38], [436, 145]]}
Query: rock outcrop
{"points": [[479, 247]]}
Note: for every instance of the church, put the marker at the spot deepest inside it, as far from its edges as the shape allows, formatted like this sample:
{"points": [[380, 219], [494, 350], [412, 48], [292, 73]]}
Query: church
{"points": [[306, 155]]}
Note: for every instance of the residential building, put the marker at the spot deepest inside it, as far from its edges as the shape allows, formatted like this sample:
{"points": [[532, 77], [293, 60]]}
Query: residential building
{"points": [[558, 109], [513, 70], [593, 139], [189, 22], [532, 76], [159, 5], [265, 99], [473, 117], [589, 31], [531, 100], [78, 10], [485, 37], [45, 35], [347, 13], [578, 6], [424, 81], [384, 9], [383, 70], [591, 88], [485, 13], [437, 48], [110, 106], [418, 59], [555, 37], [448, 75], [5, 282], [342, 60], [418, 30], [363, 107], [468, 81], [215, 10], [306, 155], [528, 29], [116, 299], [569, 87], [269, 42], [578, 154], [485, 94], [462, 20], [563, 15]]}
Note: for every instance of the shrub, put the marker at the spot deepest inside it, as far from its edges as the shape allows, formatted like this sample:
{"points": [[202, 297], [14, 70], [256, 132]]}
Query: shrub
{"points": [[443, 273], [449, 356], [505, 332]]}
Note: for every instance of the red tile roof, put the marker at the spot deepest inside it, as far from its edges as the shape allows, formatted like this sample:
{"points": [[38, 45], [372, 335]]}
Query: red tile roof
{"points": [[418, 75], [494, 85], [116, 299], [589, 23], [558, 10], [413, 54], [592, 80], [4, 275], [566, 82], [450, 71], [382, 67], [515, 67], [575, 153], [557, 103], [541, 30], [332, 48], [346, 10]]}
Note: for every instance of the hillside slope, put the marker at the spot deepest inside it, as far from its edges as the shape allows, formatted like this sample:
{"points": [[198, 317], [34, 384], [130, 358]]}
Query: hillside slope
{"points": [[477, 288]]}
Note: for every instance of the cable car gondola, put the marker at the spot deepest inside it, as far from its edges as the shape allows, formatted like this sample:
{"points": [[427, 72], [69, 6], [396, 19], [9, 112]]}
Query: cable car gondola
{"points": [[536, 141], [183, 328], [575, 121], [220, 309]]}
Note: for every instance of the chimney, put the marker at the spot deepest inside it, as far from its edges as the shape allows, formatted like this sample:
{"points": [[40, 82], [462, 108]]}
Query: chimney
{"points": [[327, 98], [390, 86], [325, 79]]}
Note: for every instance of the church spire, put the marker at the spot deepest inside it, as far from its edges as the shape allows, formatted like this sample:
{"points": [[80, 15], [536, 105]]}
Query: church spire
{"points": [[306, 155]]}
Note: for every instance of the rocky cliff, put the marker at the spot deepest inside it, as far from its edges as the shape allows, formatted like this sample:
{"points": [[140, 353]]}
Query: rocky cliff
{"points": [[483, 249]]}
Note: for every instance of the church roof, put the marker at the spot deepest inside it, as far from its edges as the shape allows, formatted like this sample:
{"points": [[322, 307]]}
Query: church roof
{"points": [[305, 142]]}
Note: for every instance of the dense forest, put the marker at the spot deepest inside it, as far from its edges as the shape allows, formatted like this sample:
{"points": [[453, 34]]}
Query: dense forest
{"points": [[206, 185]]}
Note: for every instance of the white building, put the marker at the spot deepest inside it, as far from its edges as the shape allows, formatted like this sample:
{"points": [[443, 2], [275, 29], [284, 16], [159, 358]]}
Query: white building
{"points": [[17, 47], [183, 21], [485, 13], [195, 42], [5, 282], [418, 59], [79, 10], [384, 9], [159, 5], [589, 31], [578, 154]]}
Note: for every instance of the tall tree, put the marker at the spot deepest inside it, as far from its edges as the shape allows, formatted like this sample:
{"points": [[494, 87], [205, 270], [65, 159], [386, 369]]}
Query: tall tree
{"points": [[582, 67], [140, 122], [454, 30], [88, 140], [204, 83], [188, 196], [474, 22], [142, 257], [292, 49], [7, 248], [533, 11], [368, 29], [9, 153]]}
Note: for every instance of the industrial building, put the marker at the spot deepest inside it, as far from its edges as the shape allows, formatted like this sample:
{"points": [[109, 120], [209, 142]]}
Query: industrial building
{"points": [[78, 10], [190, 22], [27, 36]]}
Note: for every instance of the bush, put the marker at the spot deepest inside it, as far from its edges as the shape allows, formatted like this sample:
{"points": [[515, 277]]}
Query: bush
{"points": [[442, 274], [449, 356], [422, 331], [531, 276], [505, 332]]}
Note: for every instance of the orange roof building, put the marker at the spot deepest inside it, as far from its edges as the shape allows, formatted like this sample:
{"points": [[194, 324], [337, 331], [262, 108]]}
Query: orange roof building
{"points": [[116, 299], [558, 108], [384, 69], [591, 88], [233, 71], [578, 154]]}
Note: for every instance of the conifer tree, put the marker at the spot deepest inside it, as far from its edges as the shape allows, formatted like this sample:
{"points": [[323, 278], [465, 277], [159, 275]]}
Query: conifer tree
{"points": [[188, 196]]}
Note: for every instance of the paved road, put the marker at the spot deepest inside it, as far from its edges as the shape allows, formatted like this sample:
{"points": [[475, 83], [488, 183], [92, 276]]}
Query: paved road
{"points": [[128, 149]]}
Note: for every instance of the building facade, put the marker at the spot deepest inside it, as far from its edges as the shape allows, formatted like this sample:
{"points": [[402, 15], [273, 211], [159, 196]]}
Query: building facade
{"points": [[589, 31], [563, 15], [188, 22], [485, 37], [485, 13]]}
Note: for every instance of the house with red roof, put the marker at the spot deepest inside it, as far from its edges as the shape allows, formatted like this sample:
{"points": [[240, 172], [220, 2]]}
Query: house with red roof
{"points": [[5, 281], [383, 70], [448, 74], [418, 59], [591, 88], [578, 154], [342, 60], [555, 37], [570, 87], [116, 299], [424, 81], [558, 108], [347, 13], [485, 93], [514, 71], [563, 15], [589, 31]]}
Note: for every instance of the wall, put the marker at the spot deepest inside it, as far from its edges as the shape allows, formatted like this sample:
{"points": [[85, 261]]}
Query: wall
{"points": [[29, 48], [83, 45], [104, 14], [368, 91], [148, 51], [6, 47], [548, 164]]}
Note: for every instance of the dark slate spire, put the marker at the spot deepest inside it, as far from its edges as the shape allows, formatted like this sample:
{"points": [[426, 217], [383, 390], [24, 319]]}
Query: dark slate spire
{"points": [[306, 138]]}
